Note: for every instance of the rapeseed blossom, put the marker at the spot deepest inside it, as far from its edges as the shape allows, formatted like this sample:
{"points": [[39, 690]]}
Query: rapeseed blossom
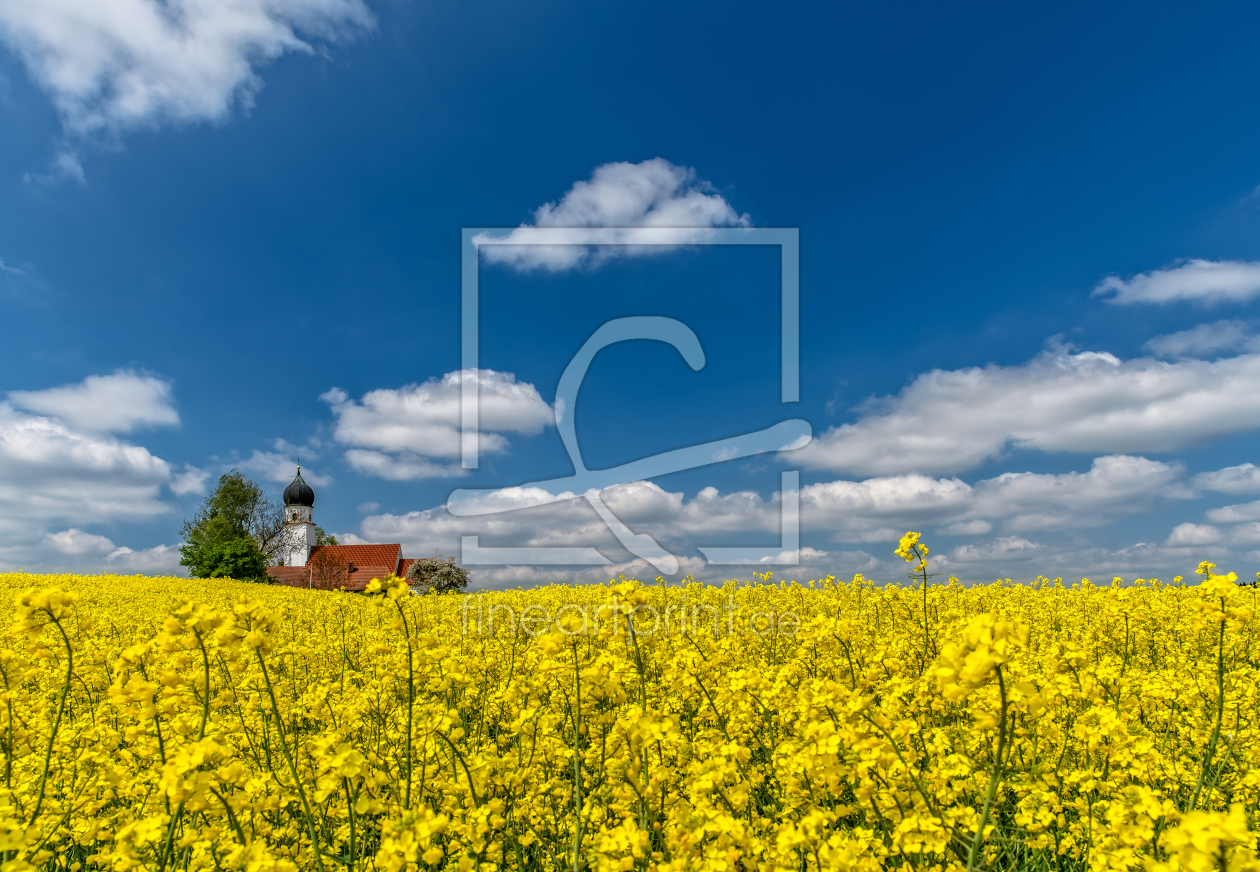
{"points": [[175, 724]]}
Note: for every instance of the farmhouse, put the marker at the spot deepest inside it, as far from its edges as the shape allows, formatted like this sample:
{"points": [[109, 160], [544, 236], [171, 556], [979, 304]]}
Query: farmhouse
{"points": [[328, 567]]}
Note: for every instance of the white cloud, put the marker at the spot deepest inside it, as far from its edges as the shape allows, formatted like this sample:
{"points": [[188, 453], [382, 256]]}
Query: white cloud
{"points": [[503, 577], [1235, 514], [56, 480], [1205, 340], [1115, 484], [75, 542], [663, 205], [50, 471], [880, 509], [1242, 479], [976, 527], [404, 466], [91, 552], [117, 65], [1245, 534], [65, 165], [1241, 521], [565, 523], [950, 421], [310, 449], [1141, 560], [1204, 281], [1002, 550], [190, 481], [4, 267], [406, 433], [148, 561], [873, 511], [805, 556], [118, 403], [1194, 534], [1062, 550], [574, 523], [279, 468]]}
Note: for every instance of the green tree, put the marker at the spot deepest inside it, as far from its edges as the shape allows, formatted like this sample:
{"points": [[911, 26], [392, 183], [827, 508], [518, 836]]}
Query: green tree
{"points": [[322, 538], [438, 574], [233, 558], [235, 533]]}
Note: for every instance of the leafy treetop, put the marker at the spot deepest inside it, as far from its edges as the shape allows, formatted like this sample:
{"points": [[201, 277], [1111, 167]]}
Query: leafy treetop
{"points": [[438, 574], [235, 532]]}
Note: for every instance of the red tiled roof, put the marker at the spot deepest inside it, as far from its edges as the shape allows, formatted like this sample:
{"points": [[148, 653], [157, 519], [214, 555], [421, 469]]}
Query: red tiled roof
{"points": [[290, 576], [405, 565], [362, 555], [362, 575]]}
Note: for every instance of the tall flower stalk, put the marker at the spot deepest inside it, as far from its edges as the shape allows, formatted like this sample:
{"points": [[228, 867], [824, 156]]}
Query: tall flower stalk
{"points": [[912, 548]]}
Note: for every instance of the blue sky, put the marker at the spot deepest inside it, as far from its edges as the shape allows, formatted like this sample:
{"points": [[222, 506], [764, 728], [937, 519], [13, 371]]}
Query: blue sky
{"points": [[1030, 273]]}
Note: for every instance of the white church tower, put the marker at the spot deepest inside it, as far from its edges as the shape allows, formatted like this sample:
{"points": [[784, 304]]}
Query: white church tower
{"points": [[299, 528]]}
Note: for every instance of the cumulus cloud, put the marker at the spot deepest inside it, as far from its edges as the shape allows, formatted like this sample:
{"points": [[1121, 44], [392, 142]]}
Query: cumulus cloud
{"points": [[876, 510], [1071, 558], [50, 471], [277, 467], [413, 432], [569, 523], [1242, 479], [503, 577], [1205, 340], [147, 561], [75, 542], [1245, 534], [1003, 550], [1241, 523], [880, 509], [565, 523], [118, 403], [1115, 484], [115, 65], [976, 527], [189, 481], [1235, 514], [403, 466], [91, 552], [51, 474], [648, 208], [1204, 281], [1233, 525], [1194, 534], [1069, 553], [63, 469], [1091, 402]]}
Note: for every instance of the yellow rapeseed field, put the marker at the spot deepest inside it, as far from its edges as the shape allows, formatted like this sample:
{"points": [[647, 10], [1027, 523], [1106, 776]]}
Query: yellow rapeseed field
{"points": [[164, 723]]}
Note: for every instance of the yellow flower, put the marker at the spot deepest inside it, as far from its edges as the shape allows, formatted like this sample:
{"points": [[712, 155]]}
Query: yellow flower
{"points": [[906, 548], [987, 642], [213, 724], [1210, 840]]}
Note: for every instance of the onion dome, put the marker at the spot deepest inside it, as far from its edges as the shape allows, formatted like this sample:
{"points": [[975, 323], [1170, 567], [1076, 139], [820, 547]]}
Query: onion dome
{"points": [[299, 493]]}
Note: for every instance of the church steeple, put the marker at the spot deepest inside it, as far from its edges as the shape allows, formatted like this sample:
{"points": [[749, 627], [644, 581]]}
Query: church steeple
{"points": [[299, 526], [299, 493]]}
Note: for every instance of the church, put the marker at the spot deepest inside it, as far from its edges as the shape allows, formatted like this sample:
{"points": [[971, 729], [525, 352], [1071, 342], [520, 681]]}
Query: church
{"points": [[328, 567]]}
